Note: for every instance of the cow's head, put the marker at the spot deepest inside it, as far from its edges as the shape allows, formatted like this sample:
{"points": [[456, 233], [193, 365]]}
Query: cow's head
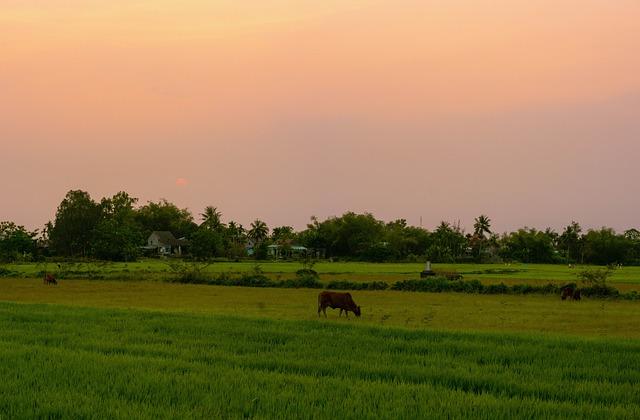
{"points": [[357, 311]]}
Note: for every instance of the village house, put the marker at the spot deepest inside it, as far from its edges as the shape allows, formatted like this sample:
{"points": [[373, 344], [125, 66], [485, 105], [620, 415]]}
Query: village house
{"points": [[164, 243]]}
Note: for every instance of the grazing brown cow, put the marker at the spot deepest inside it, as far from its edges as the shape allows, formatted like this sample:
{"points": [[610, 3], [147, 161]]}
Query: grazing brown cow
{"points": [[570, 293], [567, 292], [334, 300], [49, 279]]}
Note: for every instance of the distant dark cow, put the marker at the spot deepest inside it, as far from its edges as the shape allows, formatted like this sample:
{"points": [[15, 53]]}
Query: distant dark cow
{"points": [[567, 293], [49, 279], [570, 293], [337, 300]]}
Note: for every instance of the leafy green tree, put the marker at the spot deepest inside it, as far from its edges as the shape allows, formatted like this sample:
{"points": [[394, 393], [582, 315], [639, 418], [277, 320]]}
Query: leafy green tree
{"points": [[448, 243], [235, 238], [15, 241], [117, 236], [282, 234], [570, 242], [164, 215], [604, 246], [73, 228], [283, 237], [206, 243], [402, 240], [116, 241], [633, 236], [528, 245]]}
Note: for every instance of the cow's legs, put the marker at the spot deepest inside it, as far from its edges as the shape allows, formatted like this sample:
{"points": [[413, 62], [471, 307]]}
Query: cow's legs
{"points": [[340, 314]]}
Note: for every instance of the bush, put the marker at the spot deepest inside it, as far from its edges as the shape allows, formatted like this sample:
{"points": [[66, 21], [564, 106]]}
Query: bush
{"points": [[600, 291], [495, 289], [4, 272], [595, 277], [449, 275], [307, 272], [300, 282], [348, 285]]}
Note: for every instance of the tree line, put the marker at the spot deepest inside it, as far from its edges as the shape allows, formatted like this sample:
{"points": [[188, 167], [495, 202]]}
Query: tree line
{"points": [[116, 229]]}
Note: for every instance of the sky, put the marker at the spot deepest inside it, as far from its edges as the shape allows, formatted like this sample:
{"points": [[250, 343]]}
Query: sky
{"points": [[528, 112]]}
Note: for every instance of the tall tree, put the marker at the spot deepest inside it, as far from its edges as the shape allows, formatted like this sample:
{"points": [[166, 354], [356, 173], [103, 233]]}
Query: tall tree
{"points": [[15, 241], [258, 232], [74, 225], [211, 218], [447, 243], [117, 235], [164, 215], [482, 225], [570, 241], [235, 240]]}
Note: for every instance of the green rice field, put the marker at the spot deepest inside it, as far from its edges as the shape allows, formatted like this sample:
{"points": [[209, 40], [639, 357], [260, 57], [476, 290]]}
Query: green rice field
{"points": [[71, 362], [148, 349]]}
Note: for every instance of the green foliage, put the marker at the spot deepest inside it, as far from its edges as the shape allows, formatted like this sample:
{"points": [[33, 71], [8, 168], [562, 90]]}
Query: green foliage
{"points": [[115, 228], [595, 281], [570, 242], [595, 277], [187, 272], [117, 236], [442, 284], [447, 243], [165, 216], [206, 243], [604, 247], [76, 218], [261, 251], [528, 245], [259, 232], [116, 241], [212, 219], [350, 285], [15, 242]]}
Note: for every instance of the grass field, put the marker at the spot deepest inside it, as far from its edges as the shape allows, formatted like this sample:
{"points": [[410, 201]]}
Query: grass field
{"points": [[471, 312], [625, 279], [148, 349], [66, 362]]}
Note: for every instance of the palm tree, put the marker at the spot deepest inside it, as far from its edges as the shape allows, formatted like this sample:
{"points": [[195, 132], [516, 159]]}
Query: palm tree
{"points": [[211, 218], [258, 232], [481, 226], [236, 232]]}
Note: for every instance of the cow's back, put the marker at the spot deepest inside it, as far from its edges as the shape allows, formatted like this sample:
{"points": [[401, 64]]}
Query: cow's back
{"points": [[336, 299]]}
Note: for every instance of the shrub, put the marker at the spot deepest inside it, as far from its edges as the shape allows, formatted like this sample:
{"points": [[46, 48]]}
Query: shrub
{"points": [[347, 285], [494, 289], [595, 277], [307, 272], [4, 272], [450, 275]]}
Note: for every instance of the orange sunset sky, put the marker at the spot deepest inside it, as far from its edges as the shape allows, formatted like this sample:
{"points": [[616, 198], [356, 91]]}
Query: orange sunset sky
{"points": [[528, 111]]}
